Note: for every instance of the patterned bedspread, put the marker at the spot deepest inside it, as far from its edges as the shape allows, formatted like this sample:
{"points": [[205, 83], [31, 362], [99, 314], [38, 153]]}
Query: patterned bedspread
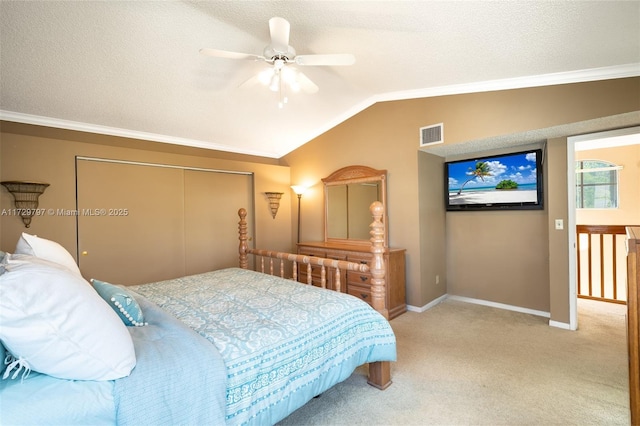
{"points": [[282, 342]]}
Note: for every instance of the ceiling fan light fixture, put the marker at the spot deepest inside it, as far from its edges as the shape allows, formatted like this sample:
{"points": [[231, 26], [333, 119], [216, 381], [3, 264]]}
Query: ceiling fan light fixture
{"points": [[265, 76], [274, 85], [279, 64], [288, 75]]}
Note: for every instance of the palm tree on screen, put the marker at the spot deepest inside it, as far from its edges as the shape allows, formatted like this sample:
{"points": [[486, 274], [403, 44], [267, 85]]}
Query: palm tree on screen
{"points": [[482, 169]]}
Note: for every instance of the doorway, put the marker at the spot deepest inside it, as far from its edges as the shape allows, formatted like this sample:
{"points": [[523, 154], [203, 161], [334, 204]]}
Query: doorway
{"points": [[609, 144]]}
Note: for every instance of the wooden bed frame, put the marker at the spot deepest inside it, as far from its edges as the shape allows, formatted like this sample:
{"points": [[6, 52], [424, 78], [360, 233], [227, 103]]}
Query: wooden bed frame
{"points": [[379, 372]]}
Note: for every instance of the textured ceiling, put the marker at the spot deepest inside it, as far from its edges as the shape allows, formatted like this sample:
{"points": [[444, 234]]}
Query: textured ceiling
{"points": [[132, 68]]}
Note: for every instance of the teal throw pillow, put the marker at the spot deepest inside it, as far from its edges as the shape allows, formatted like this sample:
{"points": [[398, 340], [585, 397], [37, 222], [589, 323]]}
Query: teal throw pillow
{"points": [[122, 301], [2, 256], [3, 354]]}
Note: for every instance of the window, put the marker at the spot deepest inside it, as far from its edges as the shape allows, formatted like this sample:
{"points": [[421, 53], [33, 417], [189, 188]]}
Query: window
{"points": [[596, 184]]}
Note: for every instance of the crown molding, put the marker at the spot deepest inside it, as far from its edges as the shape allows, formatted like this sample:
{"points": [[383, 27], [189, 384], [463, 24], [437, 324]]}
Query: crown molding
{"points": [[567, 77], [40, 120]]}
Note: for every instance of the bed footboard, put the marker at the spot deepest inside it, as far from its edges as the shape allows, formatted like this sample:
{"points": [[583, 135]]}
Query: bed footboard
{"points": [[273, 263], [300, 264]]}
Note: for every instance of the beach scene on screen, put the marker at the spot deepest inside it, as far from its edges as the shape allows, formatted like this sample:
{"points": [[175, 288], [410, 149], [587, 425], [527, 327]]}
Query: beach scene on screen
{"points": [[503, 179]]}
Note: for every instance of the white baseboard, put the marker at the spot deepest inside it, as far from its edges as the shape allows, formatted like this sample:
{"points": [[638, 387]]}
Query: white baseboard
{"points": [[500, 305], [428, 306], [442, 298], [559, 324]]}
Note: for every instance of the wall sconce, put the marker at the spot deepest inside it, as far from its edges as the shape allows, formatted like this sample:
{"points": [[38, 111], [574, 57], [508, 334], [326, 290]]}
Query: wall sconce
{"points": [[274, 202], [299, 190], [25, 196]]}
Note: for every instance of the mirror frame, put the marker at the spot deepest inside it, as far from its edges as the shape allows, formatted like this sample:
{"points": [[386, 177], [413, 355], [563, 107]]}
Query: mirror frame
{"points": [[356, 174]]}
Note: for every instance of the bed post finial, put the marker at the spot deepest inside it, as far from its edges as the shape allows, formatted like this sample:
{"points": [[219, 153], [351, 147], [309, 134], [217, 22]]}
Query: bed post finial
{"points": [[377, 268], [242, 236]]}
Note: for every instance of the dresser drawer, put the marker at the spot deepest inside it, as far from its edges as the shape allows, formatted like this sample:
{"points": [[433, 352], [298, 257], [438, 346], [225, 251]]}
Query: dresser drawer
{"points": [[316, 271], [362, 293], [364, 259], [336, 256], [359, 278], [310, 251]]}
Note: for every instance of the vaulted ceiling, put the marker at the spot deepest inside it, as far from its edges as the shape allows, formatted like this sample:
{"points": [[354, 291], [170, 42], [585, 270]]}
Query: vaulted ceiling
{"points": [[133, 68]]}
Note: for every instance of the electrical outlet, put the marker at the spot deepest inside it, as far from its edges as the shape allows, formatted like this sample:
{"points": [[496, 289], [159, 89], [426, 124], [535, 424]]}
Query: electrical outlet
{"points": [[437, 279]]}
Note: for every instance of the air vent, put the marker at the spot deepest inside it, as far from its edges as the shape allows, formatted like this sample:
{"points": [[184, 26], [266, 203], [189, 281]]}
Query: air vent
{"points": [[431, 135]]}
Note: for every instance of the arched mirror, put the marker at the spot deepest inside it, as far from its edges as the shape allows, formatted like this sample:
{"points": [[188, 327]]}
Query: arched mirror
{"points": [[348, 193]]}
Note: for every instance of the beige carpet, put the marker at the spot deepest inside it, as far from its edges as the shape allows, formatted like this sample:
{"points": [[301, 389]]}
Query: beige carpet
{"points": [[466, 364]]}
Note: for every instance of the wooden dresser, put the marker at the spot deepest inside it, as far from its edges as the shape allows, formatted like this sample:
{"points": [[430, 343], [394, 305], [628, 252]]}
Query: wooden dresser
{"points": [[633, 320], [357, 283]]}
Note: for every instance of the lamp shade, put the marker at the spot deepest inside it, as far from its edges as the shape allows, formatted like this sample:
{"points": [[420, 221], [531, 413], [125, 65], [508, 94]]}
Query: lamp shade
{"points": [[299, 189]]}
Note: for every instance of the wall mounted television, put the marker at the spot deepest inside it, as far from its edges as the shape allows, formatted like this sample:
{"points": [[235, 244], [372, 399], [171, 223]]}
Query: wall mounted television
{"points": [[496, 182]]}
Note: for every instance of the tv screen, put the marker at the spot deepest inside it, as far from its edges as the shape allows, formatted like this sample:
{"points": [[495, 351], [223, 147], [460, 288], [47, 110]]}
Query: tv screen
{"points": [[497, 182]]}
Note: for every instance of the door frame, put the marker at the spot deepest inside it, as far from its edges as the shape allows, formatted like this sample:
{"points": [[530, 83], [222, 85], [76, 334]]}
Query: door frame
{"points": [[571, 206]]}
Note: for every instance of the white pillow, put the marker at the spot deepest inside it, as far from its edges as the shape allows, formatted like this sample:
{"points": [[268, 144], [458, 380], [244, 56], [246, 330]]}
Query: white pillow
{"points": [[56, 322], [46, 249]]}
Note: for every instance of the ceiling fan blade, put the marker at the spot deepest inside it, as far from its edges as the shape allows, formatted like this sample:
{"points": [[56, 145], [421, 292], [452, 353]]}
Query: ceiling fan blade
{"points": [[229, 55], [279, 30], [329, 60], [306, 84]]}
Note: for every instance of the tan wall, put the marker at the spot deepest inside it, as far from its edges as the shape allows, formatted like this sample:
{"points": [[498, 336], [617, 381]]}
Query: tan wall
{"points": [[26, 153], [385, 136], [628, 211]]}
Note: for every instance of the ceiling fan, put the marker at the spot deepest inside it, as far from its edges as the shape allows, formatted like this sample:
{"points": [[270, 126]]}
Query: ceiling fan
{"points": [[281, 56]]}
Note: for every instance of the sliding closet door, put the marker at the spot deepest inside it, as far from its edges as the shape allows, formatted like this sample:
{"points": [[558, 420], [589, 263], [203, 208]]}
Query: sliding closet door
{"points": [[130, 222], [211, 202], [141, 223]]}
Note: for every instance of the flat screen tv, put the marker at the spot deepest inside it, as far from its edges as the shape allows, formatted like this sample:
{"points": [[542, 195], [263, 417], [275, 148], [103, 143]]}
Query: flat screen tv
{"points": [[497, 182]]}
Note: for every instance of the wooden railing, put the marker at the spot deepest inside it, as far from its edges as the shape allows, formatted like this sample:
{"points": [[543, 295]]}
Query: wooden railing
{"points": [[633, 322], [601, 262]]}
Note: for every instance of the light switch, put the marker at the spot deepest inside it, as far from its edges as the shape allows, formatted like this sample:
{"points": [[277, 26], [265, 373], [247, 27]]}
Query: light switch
{"points": [[559, 224]]}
